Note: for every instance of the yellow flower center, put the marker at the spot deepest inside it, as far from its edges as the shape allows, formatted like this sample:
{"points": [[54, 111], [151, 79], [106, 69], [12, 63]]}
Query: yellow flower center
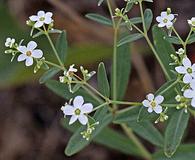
{"points": [[153, 104], [28, 53], [189, 70], [165, 20], [42, 18], [77, 111]]}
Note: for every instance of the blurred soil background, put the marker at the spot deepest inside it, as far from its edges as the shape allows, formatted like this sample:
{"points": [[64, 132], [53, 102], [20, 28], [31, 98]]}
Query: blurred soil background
{"points": [[30, 113]]}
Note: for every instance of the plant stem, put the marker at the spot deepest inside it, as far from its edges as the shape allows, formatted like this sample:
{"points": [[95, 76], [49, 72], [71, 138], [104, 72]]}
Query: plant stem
{"points": [[126, 103], [136, 141], [100, 106], [186, 41], [53, 64], [54, 50], [178, 36]]}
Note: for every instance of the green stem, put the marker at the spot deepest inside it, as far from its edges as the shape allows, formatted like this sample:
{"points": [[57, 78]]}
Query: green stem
{"points": [[186, 41], [126, 103], [143, 19], [136, 141], [55, 51], [169, 105], [54, 65], [100, 106], [178, 36]]}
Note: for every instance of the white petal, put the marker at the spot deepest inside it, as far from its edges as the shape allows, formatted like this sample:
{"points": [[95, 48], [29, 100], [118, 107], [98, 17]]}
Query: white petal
{"points": [[22, 57], [192, 84], [38, 24], [48, 20], [181, 69], [164, 14], [159, 99], [33, 18], [158, 109], [78, 101], [150, 109], [169, 24], [150, 97], [161, 24], [86, 108], [22, 49], [188, 93], [146, 103], [186, 62], [49, 14], [159, 19], [68, 110], [83, 119], [73, 119], [29, 61], [187, 78], [37, 53], [193, 102], [31, 45], [41, 14], [170, 17]]}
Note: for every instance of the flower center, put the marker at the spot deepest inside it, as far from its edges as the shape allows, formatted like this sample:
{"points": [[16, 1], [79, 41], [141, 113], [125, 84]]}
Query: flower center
{"points": [[77, 111], [189, 70], [165, 20], [28, 53], [153, 104], [42, 18]]}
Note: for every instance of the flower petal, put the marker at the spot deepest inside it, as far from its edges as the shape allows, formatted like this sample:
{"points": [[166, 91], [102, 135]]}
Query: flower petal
{"points": [[31, 45], [86, 108], [146, 103], [48, 20], [161, 24], [188, 93], [78, 101], [22, 49], [193, 102], [73, 119], [33, 18], [192, 84], [83, 119], [49, 14], [158, 109], [169, 24], [159, 19], [150, 109], [29, 61], [159, 99], [37, 53], [150, 97], [22, 57], [170, 17], [181, 69], [38, 24], [186, 62], [68, 110], [41, 13], [187, 78], [164, 14]]}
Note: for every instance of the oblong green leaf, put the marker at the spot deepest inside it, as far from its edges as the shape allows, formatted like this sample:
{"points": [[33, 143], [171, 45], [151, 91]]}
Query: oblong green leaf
{"points": [[173, 39], [99, 18], [191, 39], [148, 16], [164, 50], [147, 131], [127, 115], [61, 46], [184, 152], [174, 131], [48, 74], [129, 38], [103, 84]]}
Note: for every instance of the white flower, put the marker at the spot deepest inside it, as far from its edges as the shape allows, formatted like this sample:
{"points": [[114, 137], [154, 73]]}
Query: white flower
{"points": [[78, 111], [71, 70], [190, 93], [41, 18], [192, 22], [9, 42], [180, 51], [165, 19], [29, 52], [187, 69], [153, 103]]}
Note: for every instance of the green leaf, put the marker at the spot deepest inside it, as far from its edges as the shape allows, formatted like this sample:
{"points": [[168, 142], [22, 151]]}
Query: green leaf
{"points": [[191, 39], [135, 20], [62, 90], [174, 131], [61, 46], [129, 38], [184, 152], [144, 115], [173, 39], [148, 16], [147, 131], [109, 138], [49, 74], [77, 143], [127, 115], [103, 83], [99, 18], [123, 70], [164, 50]]}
